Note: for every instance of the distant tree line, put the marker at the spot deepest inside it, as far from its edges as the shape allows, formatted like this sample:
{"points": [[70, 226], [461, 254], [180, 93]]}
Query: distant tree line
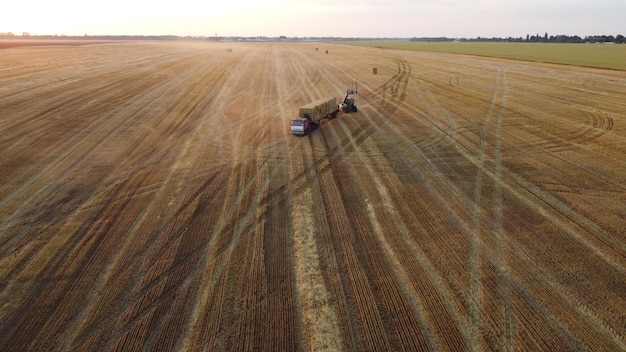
{"points": [[618, 39], [26, 35], [434, 39]]}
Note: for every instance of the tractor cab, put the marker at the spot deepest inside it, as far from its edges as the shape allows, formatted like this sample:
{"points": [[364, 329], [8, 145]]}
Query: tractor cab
{"points": [[348, 105], [299, 126]]}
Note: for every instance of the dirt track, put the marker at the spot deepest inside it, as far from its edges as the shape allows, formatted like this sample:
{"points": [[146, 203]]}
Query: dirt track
{"points": [[152, 197]]}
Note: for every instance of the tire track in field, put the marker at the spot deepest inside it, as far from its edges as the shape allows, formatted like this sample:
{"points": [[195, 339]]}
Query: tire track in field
{"points": [[548, 135], [475, 312], [396, 86], [281, 295], [439, 131], [483, 250], [80, 141], [563, 292], [474, 264], [507, 174], [392, 103], [356, 266], [471, 331], [307, 87], [169, 297], [432, 108], [506, 310], [432, 342], [49, 296], [132, 109], [325, 159], [596, 125], [118, 262], [232, 221], [278, 199], [485, 253], [567, 211], [320, 319], [84, 140], [67, 98], [131, 195], [352, 145], [127, 196], [304, 182], [60, 97], [470, 336], [546, 141], [576, 225], [218, 249], [464, 146], [320, 327], [394, 91], [261, 179], [467, 146], [501, 264]]}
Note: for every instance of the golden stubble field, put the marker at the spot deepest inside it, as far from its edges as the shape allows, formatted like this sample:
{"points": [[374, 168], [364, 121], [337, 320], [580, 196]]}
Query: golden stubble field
{"points": [[151, 197]]}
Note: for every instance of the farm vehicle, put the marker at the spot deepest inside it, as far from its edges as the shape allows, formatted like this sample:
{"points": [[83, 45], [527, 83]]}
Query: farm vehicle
{"points": [[312, 114], [348, 105]]}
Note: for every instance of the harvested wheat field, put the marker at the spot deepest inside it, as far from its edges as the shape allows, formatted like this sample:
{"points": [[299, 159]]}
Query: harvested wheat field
{"points": [[152, 198]]}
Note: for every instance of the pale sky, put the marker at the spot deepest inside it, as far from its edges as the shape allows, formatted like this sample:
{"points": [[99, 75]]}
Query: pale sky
{"points": [[347, 18]]}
